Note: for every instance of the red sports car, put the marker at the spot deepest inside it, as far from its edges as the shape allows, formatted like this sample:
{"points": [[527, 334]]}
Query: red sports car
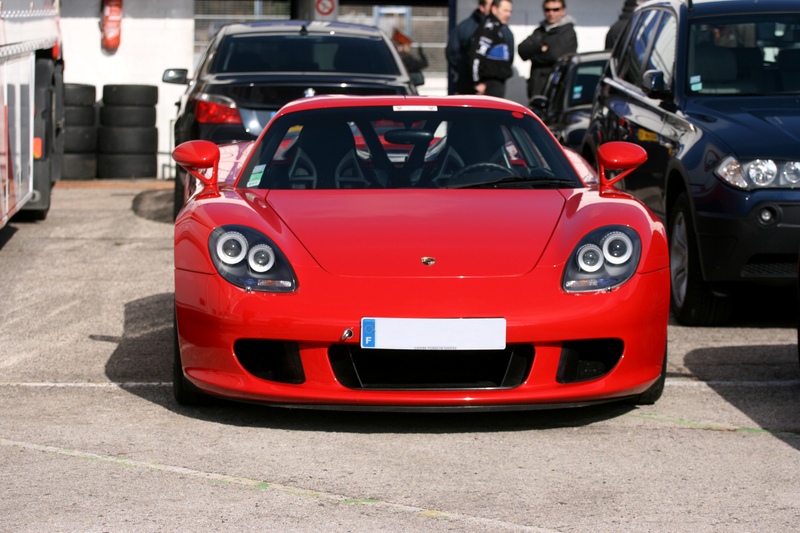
{"points": [[408, 253]]}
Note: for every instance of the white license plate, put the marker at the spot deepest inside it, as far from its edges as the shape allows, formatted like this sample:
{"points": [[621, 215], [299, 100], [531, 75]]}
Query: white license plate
{"points": [[433, 333]]}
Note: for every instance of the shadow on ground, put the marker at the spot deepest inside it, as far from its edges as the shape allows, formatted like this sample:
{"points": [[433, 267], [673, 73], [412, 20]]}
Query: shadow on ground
{"points": [[155, 205], [763, 382]]}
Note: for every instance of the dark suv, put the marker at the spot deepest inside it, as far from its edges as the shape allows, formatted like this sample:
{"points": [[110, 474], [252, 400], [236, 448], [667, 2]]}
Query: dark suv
{"points": [[711, 89], [249, 71]]}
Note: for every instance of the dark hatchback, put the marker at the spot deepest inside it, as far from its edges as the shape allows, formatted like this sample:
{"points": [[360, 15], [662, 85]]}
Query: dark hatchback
{"points": [[566, 105], [711, 89], [249, 71]]}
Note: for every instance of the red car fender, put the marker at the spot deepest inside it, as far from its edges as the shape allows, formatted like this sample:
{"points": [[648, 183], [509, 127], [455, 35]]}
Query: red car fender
{"points": [[585, 207]]}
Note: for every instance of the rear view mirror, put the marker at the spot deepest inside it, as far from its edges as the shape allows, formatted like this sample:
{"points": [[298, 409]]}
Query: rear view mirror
{"points": [[618, 155], [196, 156], [539, 104], [400, 136], [176, 75]]}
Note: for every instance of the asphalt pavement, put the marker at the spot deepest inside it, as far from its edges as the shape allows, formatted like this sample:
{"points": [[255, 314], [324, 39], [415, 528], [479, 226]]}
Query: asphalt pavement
{"points": [[91, 439]]}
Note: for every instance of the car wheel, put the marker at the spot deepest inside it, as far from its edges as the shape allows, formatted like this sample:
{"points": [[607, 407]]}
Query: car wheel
{"points": [[183, 390], [693, 302], [654, 392]]}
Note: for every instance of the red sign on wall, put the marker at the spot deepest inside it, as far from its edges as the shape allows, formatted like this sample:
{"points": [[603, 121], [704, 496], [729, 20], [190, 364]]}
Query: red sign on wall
{"points": [[325, 8]]}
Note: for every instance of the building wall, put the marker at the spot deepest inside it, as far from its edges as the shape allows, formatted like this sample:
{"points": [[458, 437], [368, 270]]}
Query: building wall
{"points": [[156, 35]]}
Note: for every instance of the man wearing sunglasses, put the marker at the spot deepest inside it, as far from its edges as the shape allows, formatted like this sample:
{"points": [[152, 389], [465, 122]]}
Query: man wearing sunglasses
{"points": [[553, 38]]}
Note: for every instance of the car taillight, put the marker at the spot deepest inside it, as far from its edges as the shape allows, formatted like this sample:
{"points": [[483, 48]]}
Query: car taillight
{"points": [[209, 109]]}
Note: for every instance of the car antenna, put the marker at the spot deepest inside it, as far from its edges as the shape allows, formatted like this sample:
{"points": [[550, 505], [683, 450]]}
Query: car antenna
{"points": [[303, 30], [689, 5]]}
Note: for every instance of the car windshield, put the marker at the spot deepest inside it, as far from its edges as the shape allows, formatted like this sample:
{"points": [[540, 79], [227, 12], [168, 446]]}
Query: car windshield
{"points": [[304, 53], [407, 147], [745, 55]]}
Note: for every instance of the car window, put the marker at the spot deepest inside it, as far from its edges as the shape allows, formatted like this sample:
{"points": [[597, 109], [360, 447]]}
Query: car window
{"points": [[662, 57], [304, 53], [630, 64], [753, 54], [585, 81], [406, 147]]}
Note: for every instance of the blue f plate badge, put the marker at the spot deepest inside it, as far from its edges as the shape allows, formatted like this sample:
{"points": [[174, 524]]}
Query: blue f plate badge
{"points": [[433, 333]]}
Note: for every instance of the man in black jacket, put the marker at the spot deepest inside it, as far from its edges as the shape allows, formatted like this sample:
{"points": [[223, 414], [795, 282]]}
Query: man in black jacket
{"points": [[492, 51], [457, 51], [616, 29], [554, 37]]}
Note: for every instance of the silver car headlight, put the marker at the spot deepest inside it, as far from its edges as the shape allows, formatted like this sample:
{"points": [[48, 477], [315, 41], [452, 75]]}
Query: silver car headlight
{"points": [[249, 259], [759, 173], [605, 258]]}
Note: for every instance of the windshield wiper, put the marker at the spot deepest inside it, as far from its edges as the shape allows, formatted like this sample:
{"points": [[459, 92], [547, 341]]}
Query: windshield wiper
{"points": [[540, 182]]}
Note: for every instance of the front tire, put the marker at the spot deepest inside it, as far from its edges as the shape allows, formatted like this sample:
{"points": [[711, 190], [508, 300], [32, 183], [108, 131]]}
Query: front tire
{"points": [[693, 302]]}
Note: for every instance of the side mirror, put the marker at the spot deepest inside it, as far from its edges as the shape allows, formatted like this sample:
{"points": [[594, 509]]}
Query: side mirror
{"points": [[196, 156], [539, 104], [654, 86], [616, 156], [176, 75]]}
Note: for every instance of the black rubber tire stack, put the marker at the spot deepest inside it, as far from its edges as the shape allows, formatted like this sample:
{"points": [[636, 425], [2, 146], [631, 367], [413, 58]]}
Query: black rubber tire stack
{"points": [[127, 139], [80, 132]]}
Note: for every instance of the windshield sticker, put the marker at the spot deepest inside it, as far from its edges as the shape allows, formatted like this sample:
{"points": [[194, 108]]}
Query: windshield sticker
{"points": [[696, 83], [255, 176]]}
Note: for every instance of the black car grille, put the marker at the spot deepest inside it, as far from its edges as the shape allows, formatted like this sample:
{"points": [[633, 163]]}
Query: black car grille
{"points": [[771, 266], [356, 368]]}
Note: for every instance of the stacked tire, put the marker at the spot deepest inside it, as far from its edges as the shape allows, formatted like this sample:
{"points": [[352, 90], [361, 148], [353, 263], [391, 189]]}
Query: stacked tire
{"points": [[127, 139], [80, 132]]}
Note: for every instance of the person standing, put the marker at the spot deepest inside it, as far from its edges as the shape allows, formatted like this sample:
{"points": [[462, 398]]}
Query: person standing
{"points": [[553, 38], [414, 64], [457, 51], [617, 28], [491, 51]]}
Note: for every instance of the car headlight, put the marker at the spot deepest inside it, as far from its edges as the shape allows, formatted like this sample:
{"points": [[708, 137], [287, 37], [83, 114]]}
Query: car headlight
{"points": [[759, 173], [605, 258], [249, 259]]}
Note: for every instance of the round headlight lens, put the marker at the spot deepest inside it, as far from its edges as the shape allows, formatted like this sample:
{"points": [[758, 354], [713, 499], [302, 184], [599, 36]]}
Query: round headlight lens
{"points": [[231, 247], [791, 172], [590, 258], [261, 258], [617, 248], [762, 172]]}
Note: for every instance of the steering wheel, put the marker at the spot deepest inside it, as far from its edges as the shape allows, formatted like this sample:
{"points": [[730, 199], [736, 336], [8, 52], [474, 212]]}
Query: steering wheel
{"points": [[493, 169]]}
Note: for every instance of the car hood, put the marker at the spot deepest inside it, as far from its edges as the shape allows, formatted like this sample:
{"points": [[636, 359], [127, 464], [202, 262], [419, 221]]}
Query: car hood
{"points": [[753, 127], [388, 233]]}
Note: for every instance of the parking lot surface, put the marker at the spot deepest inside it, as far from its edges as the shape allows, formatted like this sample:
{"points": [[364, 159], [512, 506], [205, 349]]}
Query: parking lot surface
{"points": [[91, 439]]}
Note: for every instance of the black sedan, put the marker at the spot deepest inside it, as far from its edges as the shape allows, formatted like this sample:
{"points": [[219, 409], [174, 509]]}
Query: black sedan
{"points": [[566, 103], [249, 71]]}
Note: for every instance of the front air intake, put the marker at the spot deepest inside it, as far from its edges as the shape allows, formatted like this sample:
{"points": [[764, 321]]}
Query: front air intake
{"points": [[588, 359], [357, 368]]}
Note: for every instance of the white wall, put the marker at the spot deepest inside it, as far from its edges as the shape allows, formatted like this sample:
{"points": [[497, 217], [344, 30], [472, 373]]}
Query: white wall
{"points": [[148, 47]]}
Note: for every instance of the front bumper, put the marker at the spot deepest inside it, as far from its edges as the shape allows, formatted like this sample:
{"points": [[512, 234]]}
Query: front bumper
{"points": [[737, 244], [290, 349]]}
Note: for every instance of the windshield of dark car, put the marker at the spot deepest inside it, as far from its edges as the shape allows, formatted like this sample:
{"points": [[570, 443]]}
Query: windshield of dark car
{"points": [[304, 53], [407, 147], [744, 55]]}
